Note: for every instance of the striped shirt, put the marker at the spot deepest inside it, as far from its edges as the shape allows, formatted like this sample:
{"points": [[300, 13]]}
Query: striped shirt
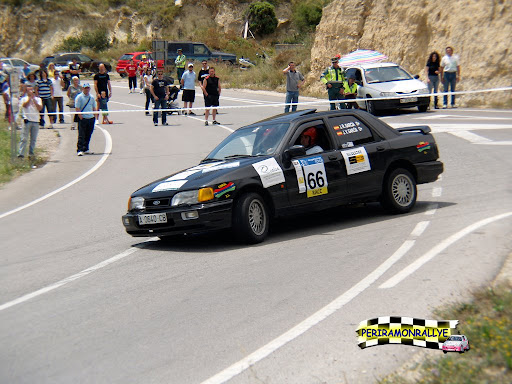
{"points": [[44, 88]]}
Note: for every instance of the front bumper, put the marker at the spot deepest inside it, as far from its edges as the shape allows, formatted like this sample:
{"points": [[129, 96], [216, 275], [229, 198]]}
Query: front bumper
{"points": [[428, 171], [395, 103], [211, 216]]}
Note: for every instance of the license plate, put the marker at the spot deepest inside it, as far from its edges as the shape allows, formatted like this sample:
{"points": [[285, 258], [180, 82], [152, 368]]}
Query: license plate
{"points": [[154, 218], [409, 100]]}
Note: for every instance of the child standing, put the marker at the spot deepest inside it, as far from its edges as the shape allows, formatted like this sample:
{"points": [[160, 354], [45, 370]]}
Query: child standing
{"points": [[103, 107]]}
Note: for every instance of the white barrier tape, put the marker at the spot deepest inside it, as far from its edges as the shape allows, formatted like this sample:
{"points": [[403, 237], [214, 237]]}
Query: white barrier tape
{"points": [[306, 103]]}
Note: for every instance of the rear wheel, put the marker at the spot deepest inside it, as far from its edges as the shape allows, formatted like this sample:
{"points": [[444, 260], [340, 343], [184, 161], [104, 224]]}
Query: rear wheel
{"points": [[399, 191], [251, 220]]}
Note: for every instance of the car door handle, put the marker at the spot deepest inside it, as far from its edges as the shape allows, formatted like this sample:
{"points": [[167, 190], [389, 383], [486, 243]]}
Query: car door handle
{"points": [[333, 157], [380, 148]]}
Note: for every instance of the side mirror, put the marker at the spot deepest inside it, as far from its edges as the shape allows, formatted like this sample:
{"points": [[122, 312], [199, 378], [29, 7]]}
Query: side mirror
{"points": [[294, 151], [417, 77]]}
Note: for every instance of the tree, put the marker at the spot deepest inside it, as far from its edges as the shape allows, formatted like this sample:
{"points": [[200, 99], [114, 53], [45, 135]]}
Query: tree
{"points": [[262, 18]]}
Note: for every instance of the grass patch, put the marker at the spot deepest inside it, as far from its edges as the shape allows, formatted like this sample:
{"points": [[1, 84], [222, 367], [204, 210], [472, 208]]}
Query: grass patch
{"points": [[487, 323], [11, 168]]}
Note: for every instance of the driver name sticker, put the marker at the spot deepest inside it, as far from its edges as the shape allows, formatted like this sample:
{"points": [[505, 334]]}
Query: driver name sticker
{"points": [[169, 185], [356, 160], [300, 176], [270, 172], [315, 176], [348, 128]]}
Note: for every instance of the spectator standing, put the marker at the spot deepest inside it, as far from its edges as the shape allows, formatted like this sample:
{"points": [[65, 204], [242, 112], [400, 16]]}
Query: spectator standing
{"points": [[86, 104], [58, 96], [51, 70], [148, 80], [31, 80], [450, 74], [44, 90], [188, 82], [103, 107], [131, 70], [211, 89], [294, 80], [144, 64], [350, 90], [75, 68], [180, 63], [31, 105], [333, 78], [73, 91], [160, 93], [432, 71], [26, 70], [102, 82]]}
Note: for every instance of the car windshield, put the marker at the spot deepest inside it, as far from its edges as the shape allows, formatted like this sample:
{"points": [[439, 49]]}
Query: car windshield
{"points": [[386, 74], [84, 58], [126, 57], [254, 140], [455, 338]]}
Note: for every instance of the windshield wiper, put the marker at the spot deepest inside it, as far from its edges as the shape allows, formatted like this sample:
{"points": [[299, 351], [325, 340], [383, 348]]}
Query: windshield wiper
{"points": [[208, 160], [236, 156]]}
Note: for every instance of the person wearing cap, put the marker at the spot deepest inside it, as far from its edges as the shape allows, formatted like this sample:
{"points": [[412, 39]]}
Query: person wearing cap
{"points": [[333, 78], [308, 139], [180, 63], [85, 106], [350, 88], [188, 82]]}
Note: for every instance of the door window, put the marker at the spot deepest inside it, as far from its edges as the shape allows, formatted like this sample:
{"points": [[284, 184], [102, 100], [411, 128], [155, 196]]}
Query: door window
{"points": [[200, 49], [313, 136], [350, 131]]}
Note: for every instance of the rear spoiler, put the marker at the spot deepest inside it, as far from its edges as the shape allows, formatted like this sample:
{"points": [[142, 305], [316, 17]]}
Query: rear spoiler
{"points": [[425, 129]]}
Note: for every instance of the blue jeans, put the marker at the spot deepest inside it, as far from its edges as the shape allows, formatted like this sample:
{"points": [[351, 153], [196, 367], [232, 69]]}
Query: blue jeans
{"points": [[160, 104], [433, 84], [449, 81], [291, 97], [47, 105], [30, 128], [334, 94]]}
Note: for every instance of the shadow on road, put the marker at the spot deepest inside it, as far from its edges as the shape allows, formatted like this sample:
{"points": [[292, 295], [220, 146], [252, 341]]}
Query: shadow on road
{"points": [[288, 229]]}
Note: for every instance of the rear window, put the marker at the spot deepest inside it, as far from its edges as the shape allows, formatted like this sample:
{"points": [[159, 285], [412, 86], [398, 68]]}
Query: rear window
{"points": [[126, 56]]}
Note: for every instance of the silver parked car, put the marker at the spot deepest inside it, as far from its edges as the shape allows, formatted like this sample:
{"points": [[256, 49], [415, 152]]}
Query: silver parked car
{"points": [[456, 343], [13, 62]]}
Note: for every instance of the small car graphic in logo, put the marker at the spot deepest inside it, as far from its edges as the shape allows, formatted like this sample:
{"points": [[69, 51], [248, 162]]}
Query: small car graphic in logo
{"points": [[156, 202], [456, 343]]}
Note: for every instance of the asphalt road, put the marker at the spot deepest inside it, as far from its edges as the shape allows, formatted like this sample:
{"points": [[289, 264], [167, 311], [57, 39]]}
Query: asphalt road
{"points": [[81, 301]]}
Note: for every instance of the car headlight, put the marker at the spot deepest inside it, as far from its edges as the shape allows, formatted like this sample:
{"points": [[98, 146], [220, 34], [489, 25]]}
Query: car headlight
{"points": [[423, 90], [192, 197], [135, 203], [387, 94]]}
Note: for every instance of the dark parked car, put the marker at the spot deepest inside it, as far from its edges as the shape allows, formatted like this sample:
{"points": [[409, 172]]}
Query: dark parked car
{"points": [[62, 60], [263, 170], [197, 51]]}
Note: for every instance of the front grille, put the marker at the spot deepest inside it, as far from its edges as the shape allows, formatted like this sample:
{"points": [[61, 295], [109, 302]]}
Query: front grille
{"points": [[157, 204]]}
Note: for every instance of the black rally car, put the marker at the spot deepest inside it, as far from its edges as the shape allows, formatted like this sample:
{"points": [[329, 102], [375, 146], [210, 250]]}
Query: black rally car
{"points": [[263, 170]]}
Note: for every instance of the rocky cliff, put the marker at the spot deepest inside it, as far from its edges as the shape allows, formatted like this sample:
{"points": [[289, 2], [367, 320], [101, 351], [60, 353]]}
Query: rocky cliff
{"points": [[480, 31]]}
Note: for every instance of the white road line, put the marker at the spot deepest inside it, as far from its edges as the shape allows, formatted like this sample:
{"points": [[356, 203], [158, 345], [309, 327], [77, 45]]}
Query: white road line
{"points": [[67, 280], [462, 117], [431, 209], [420, 228], [472, 137], [437, 191], [108, 149], [414, 266], [449, 127], [311, 321]]}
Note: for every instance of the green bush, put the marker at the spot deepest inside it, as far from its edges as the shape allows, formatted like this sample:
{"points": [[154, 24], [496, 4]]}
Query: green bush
{"points": [[307, 14], [96, 40], [262, 18]]}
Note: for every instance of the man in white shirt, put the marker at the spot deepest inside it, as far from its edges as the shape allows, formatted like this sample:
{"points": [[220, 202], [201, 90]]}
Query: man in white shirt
{"points": [[58, 97], [450, 74], [31, 105]]}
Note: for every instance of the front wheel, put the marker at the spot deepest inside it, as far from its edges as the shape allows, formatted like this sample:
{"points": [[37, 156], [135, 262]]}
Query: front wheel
{"points": [[251, 220], [370, 107], [399, 191], [422, 108]]}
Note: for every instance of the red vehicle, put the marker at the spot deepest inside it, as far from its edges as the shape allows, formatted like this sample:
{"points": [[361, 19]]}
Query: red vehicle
{"points": [[124, 60]]}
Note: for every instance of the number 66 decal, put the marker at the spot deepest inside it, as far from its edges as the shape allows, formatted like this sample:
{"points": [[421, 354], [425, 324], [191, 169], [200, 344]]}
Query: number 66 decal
{"points": [[316, 180]]}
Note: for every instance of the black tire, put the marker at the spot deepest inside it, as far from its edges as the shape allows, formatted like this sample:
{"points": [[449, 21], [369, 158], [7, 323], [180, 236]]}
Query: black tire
{"points": [[399, 191], [468, 347], [461, 350], [445, 352], [422, 108], [370, 106], [251, 219]]}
